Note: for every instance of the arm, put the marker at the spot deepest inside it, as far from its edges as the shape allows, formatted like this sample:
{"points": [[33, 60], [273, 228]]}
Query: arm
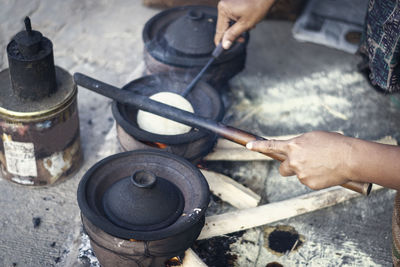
{"points": [[324, 159], [246, 14]]}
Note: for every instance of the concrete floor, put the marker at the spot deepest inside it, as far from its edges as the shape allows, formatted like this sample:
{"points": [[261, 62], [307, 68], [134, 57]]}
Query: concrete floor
{"points": [[287, 88]]}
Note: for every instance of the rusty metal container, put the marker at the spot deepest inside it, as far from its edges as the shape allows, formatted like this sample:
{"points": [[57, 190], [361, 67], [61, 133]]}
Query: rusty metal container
{"points": [[39, 124]]}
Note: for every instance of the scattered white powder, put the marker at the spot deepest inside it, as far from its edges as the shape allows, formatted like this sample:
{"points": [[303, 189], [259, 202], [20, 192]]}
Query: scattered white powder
{"points": [[311, 253], [305, 101], [86, 253], [321, 254]]}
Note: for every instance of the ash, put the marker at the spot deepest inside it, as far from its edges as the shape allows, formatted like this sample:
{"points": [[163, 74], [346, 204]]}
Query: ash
{"points": [[86, 253], [215, 252]]}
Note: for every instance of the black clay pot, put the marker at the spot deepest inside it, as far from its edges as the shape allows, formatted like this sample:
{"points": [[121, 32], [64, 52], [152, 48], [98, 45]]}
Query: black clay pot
{"points": [[141, 208], [182, 39], [193, 145]]}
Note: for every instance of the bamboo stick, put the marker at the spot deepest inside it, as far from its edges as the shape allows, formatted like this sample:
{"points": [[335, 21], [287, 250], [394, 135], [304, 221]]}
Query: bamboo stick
{"points": [[231, 191], [230, 222]]}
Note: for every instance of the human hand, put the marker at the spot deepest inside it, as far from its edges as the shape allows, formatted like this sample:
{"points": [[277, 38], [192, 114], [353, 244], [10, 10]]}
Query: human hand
{"points": [[246, 14], [319, 159]]}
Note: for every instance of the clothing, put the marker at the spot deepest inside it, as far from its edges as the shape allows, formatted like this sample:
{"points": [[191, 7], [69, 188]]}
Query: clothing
{"points": [[381, 44], [380, 48]]}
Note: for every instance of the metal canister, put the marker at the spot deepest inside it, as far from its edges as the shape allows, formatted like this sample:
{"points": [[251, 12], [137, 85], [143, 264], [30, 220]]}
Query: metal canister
{"points": [[39, 123]]}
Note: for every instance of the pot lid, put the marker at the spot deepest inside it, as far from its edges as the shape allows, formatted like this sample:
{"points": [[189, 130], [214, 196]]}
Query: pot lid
{"points": [[192, 33], [176, 170], [184, 37], [143, 201]]}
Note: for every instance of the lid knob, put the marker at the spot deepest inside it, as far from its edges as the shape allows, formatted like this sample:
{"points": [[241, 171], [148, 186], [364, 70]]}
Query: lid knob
{"points": [[195, 14], [143, 179], [28, 41], [143, 201]]}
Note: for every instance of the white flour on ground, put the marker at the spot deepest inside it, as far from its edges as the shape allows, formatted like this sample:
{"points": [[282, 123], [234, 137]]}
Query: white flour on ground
{"points": [[311, 100]]}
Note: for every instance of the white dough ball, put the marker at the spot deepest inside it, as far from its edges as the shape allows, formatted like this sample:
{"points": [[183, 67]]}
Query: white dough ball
{"points": [[160, 125]]}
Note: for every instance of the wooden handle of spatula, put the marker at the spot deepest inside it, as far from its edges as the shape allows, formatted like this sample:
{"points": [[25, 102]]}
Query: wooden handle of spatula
{"points": [[242, 137]]}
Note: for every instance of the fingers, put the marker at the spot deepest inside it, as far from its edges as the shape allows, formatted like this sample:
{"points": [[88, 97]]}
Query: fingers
{"points": [[241, 39], [268, 146], [285, 169], [222, 25], [226, 33], [232, 34]]}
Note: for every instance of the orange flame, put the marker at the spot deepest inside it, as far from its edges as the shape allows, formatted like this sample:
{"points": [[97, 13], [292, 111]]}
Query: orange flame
{"points": [[160, 145], [202, 165], [156, 144], [175, 261]]}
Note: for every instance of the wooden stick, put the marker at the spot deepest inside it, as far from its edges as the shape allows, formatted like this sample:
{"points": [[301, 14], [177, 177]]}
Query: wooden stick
{"points": [[238, 154], [253, 217], [230, 151], [231, 191], [192, 260]]}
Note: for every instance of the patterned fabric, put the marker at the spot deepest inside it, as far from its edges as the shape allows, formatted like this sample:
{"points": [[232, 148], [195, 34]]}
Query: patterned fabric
{"points": [[381, 44], [381, 50], [396, 231]]}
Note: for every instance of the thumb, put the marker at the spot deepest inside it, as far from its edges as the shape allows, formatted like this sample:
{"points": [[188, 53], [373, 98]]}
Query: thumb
{"points": [[232, 34], [268, 146]]}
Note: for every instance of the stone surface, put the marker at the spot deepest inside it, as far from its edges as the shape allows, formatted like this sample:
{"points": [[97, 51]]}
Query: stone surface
{"points": [[344, 235], [286, 88]]}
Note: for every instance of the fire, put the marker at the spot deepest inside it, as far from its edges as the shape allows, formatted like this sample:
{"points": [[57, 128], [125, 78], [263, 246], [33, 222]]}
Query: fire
{"points": [[156, 144], [175, 261], [202, 165], [160, 145]]}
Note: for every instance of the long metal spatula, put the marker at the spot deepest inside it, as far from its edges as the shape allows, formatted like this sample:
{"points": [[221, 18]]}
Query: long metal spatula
{"points": [[172, 113], [215, 54]]}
